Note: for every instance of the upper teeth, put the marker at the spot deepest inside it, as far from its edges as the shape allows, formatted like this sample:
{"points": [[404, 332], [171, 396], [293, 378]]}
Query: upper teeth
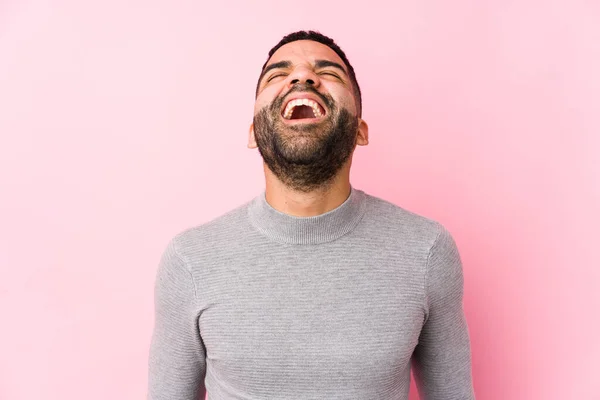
{"points": [[287, 114]]}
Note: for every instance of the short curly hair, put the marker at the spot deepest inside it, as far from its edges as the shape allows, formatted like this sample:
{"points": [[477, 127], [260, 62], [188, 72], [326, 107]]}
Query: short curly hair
{"points": [[327, 41]]}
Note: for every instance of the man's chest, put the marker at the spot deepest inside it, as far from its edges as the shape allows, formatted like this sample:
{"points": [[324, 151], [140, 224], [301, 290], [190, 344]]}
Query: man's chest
{"points": [[331, 317]]}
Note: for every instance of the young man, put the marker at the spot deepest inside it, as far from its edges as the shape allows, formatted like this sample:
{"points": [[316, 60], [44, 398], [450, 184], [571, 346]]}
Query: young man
{"points": [[314, 289]]}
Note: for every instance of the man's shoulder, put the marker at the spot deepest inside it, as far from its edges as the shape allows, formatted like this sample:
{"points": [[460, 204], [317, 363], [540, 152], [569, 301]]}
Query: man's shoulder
{"points": [[217, 232], [389, 217]]}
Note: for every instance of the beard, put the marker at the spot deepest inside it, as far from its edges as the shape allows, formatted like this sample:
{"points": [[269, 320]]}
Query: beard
{"points": [[305, 157]]}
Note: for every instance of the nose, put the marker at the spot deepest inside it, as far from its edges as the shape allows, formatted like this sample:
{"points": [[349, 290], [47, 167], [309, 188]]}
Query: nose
{"points": [[304, 75]]}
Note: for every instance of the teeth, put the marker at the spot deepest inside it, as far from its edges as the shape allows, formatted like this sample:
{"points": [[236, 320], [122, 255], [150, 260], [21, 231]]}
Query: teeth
{"points": [[287, 114]]}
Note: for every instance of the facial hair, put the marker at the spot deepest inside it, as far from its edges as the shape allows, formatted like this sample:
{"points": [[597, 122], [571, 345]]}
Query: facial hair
{"points": [[305, 157]]}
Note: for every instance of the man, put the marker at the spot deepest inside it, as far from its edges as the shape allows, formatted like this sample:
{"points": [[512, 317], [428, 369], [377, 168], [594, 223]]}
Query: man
{"points": [[314, 289]]}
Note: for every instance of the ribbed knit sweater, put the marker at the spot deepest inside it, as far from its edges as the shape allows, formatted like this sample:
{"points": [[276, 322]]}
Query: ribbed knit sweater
{"points": [[258, 304]]}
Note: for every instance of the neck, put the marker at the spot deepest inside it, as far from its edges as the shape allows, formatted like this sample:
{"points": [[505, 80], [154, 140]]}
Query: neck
{"points": [[307, 204]]}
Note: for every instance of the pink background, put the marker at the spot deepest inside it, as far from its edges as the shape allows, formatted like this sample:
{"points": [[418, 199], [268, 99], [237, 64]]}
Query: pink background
{"points": [[123, 123]]}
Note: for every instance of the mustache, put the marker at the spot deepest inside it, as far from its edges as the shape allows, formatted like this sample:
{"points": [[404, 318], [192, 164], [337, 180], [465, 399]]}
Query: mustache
{"points": [[303, 88]]}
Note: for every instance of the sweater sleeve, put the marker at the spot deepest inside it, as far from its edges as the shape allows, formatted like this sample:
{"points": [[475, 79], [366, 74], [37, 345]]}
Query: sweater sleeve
{"points": [[442, 358], [177, 365]]}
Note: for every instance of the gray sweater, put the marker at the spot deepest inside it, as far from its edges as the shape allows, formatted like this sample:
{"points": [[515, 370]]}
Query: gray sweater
{"points": [[258, 304]]}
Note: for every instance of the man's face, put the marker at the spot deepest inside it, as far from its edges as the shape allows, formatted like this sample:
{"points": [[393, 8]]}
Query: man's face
{"points": [[305, 115]]}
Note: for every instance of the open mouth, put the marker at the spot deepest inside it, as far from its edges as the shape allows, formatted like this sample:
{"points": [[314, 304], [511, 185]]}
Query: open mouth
{"points": [[302, 109]]}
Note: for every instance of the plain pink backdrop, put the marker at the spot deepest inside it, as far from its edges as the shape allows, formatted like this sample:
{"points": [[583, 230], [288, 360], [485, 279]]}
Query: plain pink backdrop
{"points": [[123, 123]]}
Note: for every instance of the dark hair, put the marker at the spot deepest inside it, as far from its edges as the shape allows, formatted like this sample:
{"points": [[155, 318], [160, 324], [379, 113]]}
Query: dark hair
{"points": [[320, 38]]}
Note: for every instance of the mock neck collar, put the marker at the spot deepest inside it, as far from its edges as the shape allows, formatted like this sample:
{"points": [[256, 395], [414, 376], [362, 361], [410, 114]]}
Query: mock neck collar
{"points": [[285, 228]]}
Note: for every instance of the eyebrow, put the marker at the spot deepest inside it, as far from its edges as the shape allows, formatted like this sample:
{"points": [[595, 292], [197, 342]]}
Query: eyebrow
{"points": [[287, 64]]}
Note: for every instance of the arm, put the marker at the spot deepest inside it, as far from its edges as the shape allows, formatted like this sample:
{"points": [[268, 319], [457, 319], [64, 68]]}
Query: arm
{"points": [[177, 357], [442, 359]]}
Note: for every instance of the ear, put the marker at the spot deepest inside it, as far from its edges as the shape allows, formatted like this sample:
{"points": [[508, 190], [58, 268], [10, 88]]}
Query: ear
{"points": [[362, 138], [251, 139]]}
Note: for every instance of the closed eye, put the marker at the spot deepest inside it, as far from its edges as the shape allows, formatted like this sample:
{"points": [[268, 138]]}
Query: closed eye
{"points": [[330, 74], [275, 76]]}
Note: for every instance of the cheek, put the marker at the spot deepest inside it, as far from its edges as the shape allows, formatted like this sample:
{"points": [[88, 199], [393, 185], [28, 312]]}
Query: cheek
{"points": [[350, 103], [265, 98], [260, 103], [344, 98]]}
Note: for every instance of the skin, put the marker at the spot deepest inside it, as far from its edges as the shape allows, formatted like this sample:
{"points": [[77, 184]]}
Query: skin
{"points": [[302, 56]]}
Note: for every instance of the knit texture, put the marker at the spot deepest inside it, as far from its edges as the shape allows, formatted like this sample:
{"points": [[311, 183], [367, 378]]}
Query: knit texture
{"points": [[258, 304]]}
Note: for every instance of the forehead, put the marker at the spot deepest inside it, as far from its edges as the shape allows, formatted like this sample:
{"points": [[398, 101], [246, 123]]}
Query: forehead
{"points": [[305, 51]]}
